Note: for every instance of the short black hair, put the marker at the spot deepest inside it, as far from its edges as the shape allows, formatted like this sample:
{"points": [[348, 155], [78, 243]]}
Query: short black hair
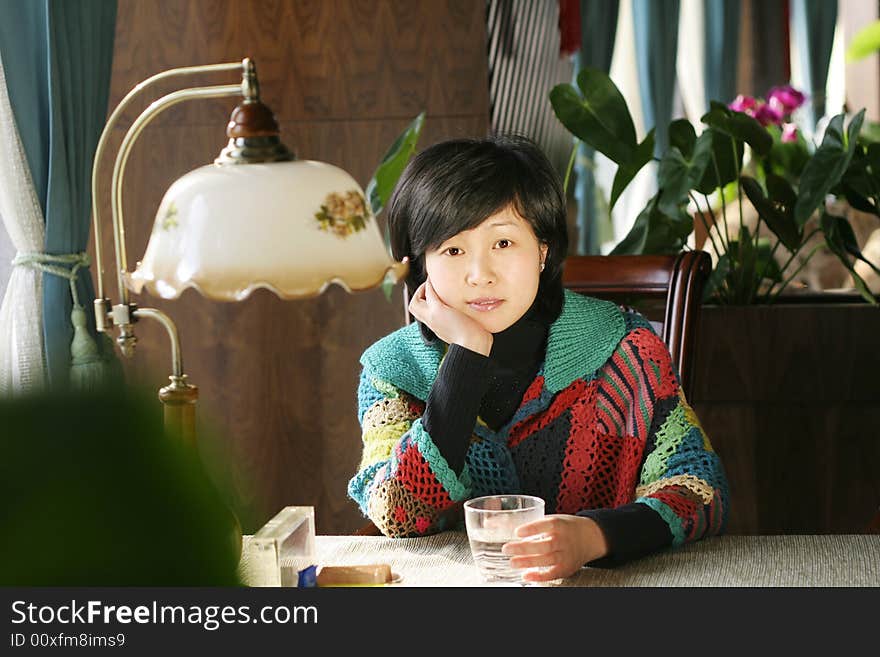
{"points": [[455, 185]]}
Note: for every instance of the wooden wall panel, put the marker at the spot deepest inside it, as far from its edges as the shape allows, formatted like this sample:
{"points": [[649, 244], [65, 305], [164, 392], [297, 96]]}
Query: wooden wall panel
{"points": [[278, 379]]}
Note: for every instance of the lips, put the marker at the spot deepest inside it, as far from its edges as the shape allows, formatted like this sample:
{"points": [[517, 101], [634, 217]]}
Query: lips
{"points": [[485, 304]]}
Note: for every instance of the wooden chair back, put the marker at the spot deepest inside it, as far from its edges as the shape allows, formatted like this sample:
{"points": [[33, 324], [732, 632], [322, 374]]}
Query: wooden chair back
{"points": [[668, 290]]}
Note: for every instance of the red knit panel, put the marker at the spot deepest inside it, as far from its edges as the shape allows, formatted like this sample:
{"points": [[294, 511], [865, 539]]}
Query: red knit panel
{"points": [[600, 469], [628, 469], [608, 405], [634, 387], [683, 504], [533, 391], [578, 477], [418, 478], [652, 350], [416, 406], [561, 402]]}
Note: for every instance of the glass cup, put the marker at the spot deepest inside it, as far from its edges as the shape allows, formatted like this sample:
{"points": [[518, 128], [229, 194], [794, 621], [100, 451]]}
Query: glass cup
{"points": [[491, 521]]}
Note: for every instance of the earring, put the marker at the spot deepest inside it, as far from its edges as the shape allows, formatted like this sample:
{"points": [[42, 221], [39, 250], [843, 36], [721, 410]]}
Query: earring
{"points": [[542, 266]]}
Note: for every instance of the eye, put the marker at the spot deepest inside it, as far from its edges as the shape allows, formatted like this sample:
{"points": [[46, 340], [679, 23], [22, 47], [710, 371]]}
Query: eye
{"points": [[453, 251], [503, 244]]}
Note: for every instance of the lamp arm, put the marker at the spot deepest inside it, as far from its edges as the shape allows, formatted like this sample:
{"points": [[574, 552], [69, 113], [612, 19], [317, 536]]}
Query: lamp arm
{"points": [[171, 329], [108, 129], [179, 398], [133, 133]]}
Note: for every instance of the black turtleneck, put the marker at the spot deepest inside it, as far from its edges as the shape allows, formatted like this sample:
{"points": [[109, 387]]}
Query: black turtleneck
{"points": [[469, 385]]}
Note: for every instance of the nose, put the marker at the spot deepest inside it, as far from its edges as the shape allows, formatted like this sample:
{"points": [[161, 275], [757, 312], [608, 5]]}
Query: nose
{"points": [[480, 271]]}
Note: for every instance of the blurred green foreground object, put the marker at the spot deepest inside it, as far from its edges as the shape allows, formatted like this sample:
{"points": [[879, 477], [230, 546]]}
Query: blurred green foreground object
{"points": [[94, 492]]}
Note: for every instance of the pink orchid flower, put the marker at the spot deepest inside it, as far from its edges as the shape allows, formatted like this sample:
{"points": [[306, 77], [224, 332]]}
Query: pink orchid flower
{"points": [[743, 104], [787, 97], [767, 114], [789, 133]]}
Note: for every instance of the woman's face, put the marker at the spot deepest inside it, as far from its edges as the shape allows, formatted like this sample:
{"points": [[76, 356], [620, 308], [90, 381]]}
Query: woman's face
{"points": [[491, 272]]}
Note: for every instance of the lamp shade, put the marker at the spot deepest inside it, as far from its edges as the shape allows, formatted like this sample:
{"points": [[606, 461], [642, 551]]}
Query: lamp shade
{"points": [[293, 227]]}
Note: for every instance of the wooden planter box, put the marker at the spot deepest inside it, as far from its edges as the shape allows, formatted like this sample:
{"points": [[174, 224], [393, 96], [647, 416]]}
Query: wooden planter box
{"points": [[790, 398]]}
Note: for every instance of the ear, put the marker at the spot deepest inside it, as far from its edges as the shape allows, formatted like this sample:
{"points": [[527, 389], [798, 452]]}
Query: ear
{"points": [[544, 248]]}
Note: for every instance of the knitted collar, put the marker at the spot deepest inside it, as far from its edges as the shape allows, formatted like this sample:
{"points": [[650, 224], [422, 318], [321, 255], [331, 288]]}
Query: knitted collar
{"points": [[579, 342]]}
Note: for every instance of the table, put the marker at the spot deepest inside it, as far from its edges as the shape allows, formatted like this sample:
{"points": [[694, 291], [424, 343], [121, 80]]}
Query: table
{"points": [[726, 561]]}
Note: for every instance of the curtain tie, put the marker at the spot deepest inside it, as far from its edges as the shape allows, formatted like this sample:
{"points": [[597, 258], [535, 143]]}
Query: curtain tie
{"points": [[88, 368], [66, 265]]}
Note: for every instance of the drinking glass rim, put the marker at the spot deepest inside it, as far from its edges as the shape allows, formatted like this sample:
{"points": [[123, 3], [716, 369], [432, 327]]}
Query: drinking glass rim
{"points": [[468, 505]]}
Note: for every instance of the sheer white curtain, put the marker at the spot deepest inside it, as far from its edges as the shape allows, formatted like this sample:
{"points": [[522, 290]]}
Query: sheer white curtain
{"points": [[21, 325], [644, 185], [690, 60]]}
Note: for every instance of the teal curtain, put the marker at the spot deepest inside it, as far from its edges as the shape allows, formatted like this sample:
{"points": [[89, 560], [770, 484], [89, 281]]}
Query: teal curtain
{"points": [[813, 23], [22, 27], [598, 28], [57, 56], [721, 32], [656, 28]]}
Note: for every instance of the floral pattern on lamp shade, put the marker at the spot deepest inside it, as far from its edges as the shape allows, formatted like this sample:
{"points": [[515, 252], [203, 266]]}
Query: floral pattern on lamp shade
{"points": [[169, 220], [343, 213]]}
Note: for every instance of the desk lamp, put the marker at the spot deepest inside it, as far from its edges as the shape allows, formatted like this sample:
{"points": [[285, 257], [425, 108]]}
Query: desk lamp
{"points": [[256, 217]]}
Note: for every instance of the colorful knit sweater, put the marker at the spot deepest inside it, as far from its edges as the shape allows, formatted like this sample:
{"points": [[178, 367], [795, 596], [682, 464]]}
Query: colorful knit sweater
{"points": [[604, 426]]}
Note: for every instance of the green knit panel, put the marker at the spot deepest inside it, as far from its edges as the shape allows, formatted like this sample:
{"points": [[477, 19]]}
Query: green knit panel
{"points": [[457, 488], [668, 439], [403, 359], [596, 325]]}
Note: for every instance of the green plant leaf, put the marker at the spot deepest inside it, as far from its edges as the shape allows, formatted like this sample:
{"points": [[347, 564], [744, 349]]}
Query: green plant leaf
{"points": [[841, 241], [625, 173], [860, 184], [786, 159], [781, 193], [752, 264], [870, 133], [865, 42], [634, 242], [669, 233], [654, 232], [392, 165], [872, 158], [728, 167], [766, 266], [740, 126], [827, 166], [743, 277], [682, 136], [777, 210], [717, 277], [596, 113], [680, 173], [858, 201], [863, 288]]}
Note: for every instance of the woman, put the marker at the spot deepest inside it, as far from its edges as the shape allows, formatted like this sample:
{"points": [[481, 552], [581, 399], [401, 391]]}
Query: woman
{"points": [[510, 384]]}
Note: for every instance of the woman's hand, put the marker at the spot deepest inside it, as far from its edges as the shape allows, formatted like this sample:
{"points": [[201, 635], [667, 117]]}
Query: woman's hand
{"points": [[556, 546], [449, 324]]}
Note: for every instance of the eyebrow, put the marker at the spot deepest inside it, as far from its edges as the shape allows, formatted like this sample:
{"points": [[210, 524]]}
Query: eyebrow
{"points": [[496, 224]]}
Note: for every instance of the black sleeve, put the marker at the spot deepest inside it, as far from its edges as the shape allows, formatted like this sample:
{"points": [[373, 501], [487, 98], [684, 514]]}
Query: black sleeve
{"points": [[454, 402], [632, 531]]}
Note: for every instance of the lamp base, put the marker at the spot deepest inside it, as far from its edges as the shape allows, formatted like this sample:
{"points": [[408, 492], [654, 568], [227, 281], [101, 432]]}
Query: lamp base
{"points": [[179, 401]]}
